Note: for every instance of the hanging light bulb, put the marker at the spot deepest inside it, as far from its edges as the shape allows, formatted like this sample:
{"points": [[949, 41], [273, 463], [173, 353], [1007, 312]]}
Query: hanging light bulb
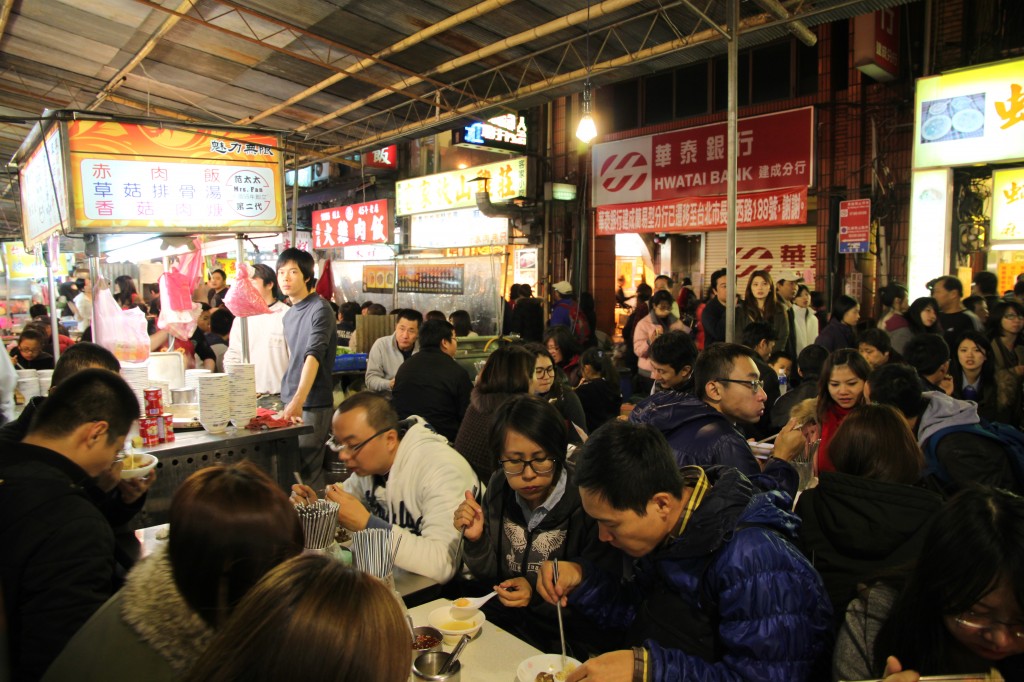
{"points": [[587, 129]]}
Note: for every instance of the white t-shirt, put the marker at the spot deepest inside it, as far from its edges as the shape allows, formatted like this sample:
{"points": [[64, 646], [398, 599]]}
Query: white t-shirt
{"points": [[267, 347], [84, 304]]}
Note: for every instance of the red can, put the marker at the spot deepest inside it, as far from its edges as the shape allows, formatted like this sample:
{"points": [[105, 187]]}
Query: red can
{"points": [[154, 402], [149, 430], [166, 427]]}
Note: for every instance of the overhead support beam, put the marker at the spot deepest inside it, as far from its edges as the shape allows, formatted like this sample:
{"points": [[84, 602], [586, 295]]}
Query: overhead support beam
{"points": [[5, 14], [122, 74], [434, 29], [796, 27], [553, 26]]}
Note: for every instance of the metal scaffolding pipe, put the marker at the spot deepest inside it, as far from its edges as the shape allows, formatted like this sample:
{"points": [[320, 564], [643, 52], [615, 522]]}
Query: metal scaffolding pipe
{"points": [[730, 151], [796, 27]]}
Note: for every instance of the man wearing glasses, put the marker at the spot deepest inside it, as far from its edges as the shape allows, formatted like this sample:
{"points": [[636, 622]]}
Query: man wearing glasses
{"points": [[702, 429], [404, 477]]}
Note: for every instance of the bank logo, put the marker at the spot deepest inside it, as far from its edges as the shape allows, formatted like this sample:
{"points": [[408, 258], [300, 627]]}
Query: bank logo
{"points": [[628, 172]]}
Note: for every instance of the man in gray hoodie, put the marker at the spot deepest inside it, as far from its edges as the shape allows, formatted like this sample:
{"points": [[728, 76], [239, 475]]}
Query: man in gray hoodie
{"points": [[965, 457]]}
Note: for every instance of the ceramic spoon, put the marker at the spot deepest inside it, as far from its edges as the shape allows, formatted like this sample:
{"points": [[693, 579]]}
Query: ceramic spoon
{"points": [[465, 608]]}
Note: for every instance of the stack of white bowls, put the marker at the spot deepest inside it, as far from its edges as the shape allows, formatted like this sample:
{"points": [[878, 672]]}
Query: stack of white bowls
{"points": [[137, 376], [214, 401], [243, 392], [192, 377], [28, 383], [45, 378]]}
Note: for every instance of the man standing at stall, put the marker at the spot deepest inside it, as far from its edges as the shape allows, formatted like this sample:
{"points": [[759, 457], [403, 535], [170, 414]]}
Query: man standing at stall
{"points": [[311, 332]]}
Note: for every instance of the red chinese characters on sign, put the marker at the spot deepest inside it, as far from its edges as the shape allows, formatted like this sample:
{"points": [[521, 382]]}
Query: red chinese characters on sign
{"points": [[353, 225], [774, 151], [703, 214], [876, 44]]}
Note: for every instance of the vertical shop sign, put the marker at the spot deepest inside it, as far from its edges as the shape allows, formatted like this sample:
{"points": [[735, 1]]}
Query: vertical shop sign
{"points": [[854, 225], [876, 44]]}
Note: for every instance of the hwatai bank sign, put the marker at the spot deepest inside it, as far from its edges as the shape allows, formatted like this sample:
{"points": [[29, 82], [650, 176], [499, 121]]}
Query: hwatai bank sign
{"points": [[775, 151]]}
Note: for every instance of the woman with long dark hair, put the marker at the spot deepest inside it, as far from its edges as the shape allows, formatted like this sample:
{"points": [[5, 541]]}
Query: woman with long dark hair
{"points": [[840, 389], [125, 293], [565, 351], [1003, 328], [761, 304], [960, 609], [550, 384], [894, 299], [922, 318], [839, 332], [974, 378]]}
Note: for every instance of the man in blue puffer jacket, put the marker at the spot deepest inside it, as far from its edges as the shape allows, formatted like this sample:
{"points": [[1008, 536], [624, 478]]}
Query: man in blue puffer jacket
{"points": [[701, 429], [718, 592]]}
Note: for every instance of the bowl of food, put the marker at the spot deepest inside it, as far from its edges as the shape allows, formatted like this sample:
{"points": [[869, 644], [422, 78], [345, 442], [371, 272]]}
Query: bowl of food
{"points": [[452, 629], [545, 668], [137, 465], [425, 639], [762, 451]]}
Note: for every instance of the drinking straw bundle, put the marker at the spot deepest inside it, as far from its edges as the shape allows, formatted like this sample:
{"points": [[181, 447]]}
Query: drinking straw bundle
{"points": [[372, 551], [319, 521]]}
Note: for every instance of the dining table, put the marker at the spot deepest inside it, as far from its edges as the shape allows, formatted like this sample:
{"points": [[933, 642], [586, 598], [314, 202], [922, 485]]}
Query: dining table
{"points": [[493, 655]]}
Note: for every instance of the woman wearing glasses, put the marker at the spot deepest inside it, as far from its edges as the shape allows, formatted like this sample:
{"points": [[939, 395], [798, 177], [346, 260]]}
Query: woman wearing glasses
{"points": [[531, 513], [1005, 322], [957, 610], [551, 384]]}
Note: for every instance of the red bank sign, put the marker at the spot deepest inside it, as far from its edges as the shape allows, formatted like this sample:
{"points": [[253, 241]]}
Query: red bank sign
{"points": [[775, 151]]}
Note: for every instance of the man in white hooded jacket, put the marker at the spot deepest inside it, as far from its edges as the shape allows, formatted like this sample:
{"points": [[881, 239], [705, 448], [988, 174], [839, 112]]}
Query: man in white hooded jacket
{"points": [[404, 476]]}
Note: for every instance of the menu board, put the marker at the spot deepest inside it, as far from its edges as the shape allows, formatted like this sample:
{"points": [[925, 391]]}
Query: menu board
{"points": [[42, 211], [127, 178], [415, 279]]}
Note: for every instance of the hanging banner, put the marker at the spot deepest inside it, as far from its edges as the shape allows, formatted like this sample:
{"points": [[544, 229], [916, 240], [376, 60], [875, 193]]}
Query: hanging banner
{"points": [[39, 175], [354, 225], [457, 189], [703, 214], [775, 151]]}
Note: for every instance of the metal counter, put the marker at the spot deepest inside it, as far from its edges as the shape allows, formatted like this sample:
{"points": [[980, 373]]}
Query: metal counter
{"points": [[275, 451]]}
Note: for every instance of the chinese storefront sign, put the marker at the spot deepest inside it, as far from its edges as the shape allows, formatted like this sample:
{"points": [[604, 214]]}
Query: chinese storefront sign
{"points": [[353, 225], [970, 116], [775, 151], [470, 251], [1008, 205], [876, 44], [854, 225], [507, 132], [22, 264], [127, 177], [386, 158], [41, 212], [465, 227], [758, 209], [415, 279], [457, 189]]}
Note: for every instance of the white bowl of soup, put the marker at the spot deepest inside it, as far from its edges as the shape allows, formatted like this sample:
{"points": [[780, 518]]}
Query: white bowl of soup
{"points": [[137, 465], [453, 629], [545, 667]]}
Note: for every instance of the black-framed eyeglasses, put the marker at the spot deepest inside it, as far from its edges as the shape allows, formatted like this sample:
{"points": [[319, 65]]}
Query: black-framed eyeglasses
{"points": [[545, 371], [753, 385], [540, 466], [335, 446]]}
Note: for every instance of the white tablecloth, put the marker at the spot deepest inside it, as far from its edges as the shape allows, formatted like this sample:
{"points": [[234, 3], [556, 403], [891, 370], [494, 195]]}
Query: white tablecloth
{"points": [[493, 656]]}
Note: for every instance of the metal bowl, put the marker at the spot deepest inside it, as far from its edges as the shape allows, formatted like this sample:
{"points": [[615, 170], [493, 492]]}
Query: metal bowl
{"points": [[426, 665], [428, 632]]}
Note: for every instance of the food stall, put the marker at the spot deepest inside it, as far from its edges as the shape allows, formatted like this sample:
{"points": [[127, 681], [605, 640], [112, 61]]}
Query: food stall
{"points": [[97, 178]]}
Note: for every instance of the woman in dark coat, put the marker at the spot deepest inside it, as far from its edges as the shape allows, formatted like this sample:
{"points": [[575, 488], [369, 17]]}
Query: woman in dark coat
{"points": [[839, 332]]}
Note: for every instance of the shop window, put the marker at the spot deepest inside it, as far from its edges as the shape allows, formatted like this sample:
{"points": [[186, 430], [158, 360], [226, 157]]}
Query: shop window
{"points": [[840, 55], [806, 69], [658, 98], [721, 87], [692, 90], [618, 106], [771, 68]]}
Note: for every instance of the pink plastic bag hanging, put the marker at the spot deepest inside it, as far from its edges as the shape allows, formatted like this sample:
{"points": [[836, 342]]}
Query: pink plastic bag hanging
{"points": [[244, 298], [122, 332]]}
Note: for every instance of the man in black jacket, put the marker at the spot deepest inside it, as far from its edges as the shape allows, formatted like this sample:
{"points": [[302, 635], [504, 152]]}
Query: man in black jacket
{"points": [[713, 317], [808, 366], [57, 564], [431, 384], [527, 316]]}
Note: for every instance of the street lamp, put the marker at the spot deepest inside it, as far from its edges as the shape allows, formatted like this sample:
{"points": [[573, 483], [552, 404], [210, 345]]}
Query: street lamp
{"points": [[587, 129]]}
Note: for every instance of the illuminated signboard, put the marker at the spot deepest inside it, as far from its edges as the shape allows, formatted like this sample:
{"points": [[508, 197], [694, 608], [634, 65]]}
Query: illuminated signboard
{"points": [[457, 189], [386, 158], [464, 227], [876, 44], [970, 116], [507, 133], [931, 206], [126, 177], [353, 225], [1008, 205], [39, 174]]}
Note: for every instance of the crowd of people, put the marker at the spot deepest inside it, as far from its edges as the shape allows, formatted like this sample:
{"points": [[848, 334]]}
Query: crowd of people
{"points": [[683, 550]]}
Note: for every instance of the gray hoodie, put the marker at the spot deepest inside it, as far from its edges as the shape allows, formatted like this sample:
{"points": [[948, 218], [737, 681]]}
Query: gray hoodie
{"points": [[943, 412]]}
